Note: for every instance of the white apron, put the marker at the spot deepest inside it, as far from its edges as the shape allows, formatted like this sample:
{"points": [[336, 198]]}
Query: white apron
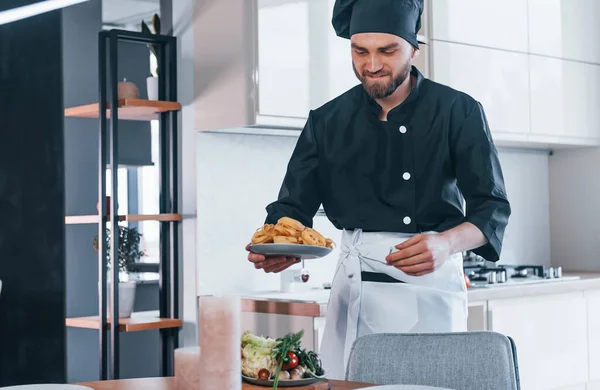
{"points": [[436, 302]]}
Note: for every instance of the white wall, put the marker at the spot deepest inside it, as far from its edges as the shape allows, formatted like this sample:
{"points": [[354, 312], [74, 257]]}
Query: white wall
{"points": [[238, 175]]}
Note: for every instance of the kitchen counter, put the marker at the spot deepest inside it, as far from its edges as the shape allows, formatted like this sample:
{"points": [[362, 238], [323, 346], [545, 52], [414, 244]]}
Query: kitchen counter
{"points": [[314, 302], [571, 281], [555, 324]]}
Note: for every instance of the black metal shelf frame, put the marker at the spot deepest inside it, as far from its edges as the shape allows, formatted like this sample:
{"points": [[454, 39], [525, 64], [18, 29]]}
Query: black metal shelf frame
{"points": [[165, 47]]}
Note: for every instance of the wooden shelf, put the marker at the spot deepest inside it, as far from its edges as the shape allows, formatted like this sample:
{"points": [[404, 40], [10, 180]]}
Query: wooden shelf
{"points": [[136, 323], [89, 219], [130, 109]]}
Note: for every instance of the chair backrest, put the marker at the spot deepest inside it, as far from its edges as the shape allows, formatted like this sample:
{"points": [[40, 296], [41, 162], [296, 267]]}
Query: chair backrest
{"points": [[458, 361]]}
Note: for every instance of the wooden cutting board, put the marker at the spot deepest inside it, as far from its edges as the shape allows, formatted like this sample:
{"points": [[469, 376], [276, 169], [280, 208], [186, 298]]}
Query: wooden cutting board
{"points": [[321, 385]]}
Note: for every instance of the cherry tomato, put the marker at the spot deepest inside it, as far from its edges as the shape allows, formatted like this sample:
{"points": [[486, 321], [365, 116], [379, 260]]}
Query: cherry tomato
{"points": [[264, 374], [290, 362]]}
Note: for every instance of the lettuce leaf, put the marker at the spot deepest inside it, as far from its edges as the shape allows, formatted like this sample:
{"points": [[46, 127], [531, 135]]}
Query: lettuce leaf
{"points": [[257, 354]]}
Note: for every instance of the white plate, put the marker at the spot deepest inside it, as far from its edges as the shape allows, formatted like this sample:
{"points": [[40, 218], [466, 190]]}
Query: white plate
{"points": [[402, 387], [282, 383], [302, 251], [53, 386]]}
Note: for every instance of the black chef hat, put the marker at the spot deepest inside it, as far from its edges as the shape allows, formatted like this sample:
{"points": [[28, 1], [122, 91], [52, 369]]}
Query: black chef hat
{"points": [[398, 17]]}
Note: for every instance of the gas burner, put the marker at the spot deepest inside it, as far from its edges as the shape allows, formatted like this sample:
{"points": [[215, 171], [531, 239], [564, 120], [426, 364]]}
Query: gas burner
{"points": [[523, 271], [489, 275], [482, 276]]}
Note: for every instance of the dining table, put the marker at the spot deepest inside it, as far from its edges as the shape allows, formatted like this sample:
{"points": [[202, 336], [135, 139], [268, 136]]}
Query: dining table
{"points": [[169, 383]]}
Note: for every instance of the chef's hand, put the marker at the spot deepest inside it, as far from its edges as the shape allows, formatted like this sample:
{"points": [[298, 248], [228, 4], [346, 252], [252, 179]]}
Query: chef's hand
{"points": [[271, 264], [420, 254]]}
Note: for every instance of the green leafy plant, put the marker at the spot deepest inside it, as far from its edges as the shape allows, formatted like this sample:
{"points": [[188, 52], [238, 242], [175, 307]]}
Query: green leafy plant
{"points": [[146, 30], [129, 247]]}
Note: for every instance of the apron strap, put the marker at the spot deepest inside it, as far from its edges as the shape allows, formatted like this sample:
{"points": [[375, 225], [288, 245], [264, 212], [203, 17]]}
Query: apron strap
{"points": [[378, 277]]}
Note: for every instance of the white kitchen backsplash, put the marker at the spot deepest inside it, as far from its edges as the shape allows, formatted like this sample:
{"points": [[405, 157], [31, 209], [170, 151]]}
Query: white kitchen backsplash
{"points": [[238, 175]]}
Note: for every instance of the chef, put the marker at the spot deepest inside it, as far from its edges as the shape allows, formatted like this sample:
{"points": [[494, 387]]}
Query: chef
{"points": [[408, 170]]}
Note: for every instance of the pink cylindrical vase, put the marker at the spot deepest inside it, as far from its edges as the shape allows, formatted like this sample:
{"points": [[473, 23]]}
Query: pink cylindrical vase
{"points": [[219, 331], [187, 368]]}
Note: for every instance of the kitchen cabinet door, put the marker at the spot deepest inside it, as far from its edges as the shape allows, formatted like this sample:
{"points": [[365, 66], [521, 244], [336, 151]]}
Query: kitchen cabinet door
{"points": [[593, 306], [567, 29], [319, 330], [550, 333], [498, 79], [477, 316], [302, 63], [283, 58], [564, 98], [482, 23]]}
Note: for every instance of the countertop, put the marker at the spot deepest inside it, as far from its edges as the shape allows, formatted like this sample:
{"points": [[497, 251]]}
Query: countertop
{"points": [[571, 281], [314, 301]]}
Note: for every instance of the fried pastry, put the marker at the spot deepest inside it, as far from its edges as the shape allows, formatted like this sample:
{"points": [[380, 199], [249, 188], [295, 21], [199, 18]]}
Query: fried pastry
{"points": [[290, 223], [264, 235], [312, 237], [281, 230], [285, 240], [290, 231]]}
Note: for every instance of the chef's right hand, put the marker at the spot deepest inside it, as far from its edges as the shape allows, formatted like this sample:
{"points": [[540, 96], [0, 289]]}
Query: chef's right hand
{"points": [[271, 264]]}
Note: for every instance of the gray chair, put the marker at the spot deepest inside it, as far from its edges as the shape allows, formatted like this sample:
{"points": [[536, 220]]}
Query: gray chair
{"points": [[458, 361]]}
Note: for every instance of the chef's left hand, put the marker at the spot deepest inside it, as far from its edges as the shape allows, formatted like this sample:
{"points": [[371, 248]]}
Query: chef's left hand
{"points": [[420, 254]]}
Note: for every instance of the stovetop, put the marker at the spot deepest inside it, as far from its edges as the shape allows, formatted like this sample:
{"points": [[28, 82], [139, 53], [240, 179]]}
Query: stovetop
{"points": [[499, 275]]}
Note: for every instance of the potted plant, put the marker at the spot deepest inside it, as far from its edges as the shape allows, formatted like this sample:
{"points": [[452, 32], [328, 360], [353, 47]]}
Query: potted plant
{"points": [[152, 80], [129, 253]]}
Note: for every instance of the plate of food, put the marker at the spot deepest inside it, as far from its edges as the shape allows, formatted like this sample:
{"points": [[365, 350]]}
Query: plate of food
{"points": [[290, 237], [279, 362]]}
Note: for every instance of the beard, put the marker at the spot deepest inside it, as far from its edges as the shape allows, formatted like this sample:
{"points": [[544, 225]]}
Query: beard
{"points": [[384, 86]]}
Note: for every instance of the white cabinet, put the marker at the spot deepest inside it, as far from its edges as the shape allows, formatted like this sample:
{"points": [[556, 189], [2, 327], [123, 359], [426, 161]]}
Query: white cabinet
{"points": [[283, 59], [497, 78], [565, 29], [275, 60], [510, 55], [499, 24], [550, 333], [593, 307], [565, 97], [302, 63], [477, 316]]}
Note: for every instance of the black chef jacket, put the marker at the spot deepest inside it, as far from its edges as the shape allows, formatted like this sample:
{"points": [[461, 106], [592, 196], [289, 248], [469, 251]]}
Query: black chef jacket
{"points": [[408, 174]]}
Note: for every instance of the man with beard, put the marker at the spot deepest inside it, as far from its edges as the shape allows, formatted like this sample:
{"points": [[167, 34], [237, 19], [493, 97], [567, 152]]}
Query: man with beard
{"points": [[392, 161]]}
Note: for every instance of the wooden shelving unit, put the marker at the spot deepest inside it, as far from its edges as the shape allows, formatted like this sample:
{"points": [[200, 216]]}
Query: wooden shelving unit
{"points": [[165, 320], [128, 109], [136, 323], [91, 219]]}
